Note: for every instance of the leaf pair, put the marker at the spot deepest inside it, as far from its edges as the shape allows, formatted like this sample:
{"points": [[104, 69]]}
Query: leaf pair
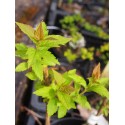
{"points": [[97, 84], [38, 34], [99, 89]]}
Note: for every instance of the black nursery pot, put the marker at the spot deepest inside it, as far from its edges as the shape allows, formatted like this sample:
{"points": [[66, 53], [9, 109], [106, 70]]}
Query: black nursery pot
{"points": [[55, 15], [69, 121], [63, 121], [84, 66]]}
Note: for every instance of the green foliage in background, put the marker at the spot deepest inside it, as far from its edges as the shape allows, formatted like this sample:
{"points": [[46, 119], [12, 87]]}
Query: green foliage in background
{"points": [[87, 53], [83, 53], [74, 21], [104, 52], [70, 56]]}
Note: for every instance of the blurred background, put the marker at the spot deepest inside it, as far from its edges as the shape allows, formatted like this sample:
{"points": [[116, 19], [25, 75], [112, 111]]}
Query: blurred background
{"points": [[87, 22]]}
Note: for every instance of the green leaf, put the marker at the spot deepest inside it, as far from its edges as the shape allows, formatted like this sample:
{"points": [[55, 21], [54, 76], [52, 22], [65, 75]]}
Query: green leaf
{"points": [[78, 79], [44, 29], [58, 77], [31, 55], [48, 58], [72, 72], [28, 30], [66, 100], [62, 111], [21, 54], [21, 67], [21, 46], [54, 86], [70, 56], [103, 81], [72, 76], [21, 50], [77, 86], [69, 73], [38, 69], [34, 61], [91, 80], [52, 106], [77, 89], [82, 100], [45, 92], [66, 77], [54, 41], [68, 81], [34, 40], [35, 35], [101, 90], [31, 75], [38, 84]]}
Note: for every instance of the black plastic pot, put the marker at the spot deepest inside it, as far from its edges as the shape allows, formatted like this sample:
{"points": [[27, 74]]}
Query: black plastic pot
{"points": [[63, 121], [37, 105], [91, 38], [90, 2], [31, 121], [85, 67], [83, 3], [69, 121]]}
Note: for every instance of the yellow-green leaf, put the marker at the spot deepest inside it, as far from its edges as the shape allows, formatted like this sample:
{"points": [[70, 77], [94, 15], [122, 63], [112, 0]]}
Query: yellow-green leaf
{"points": [[31, 75], [58, 77], [38, 69], [99, 89], [45, 92], [52, 106], [27, 29], [82, 100], [22, 67], [66, 100], [61, 111]]}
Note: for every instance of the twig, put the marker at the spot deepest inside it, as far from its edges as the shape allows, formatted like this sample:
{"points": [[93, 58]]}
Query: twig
{"points": [[103, 104], [33, 114]]}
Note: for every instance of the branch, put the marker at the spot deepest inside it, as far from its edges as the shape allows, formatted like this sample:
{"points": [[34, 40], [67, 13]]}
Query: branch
{"points": [[33, 114], [103, 104]]}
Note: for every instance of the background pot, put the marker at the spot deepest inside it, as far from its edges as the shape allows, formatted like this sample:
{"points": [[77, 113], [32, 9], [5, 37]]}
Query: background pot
{"points": [[69, 121]]}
